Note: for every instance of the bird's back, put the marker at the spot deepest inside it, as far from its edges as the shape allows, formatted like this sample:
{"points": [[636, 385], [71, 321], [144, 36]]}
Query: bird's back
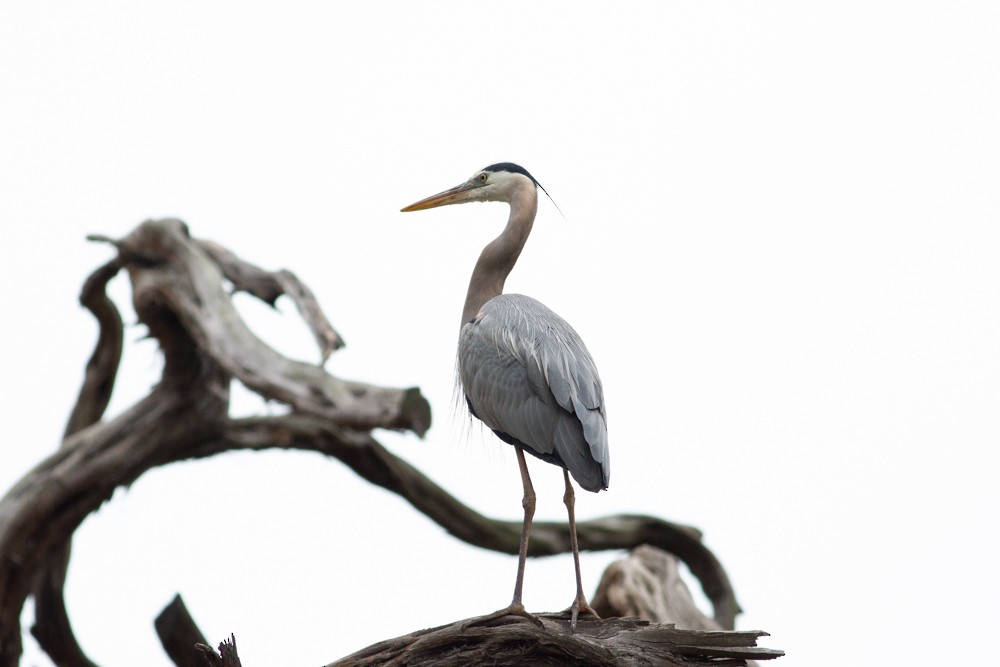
{"points": [[528, 376]]}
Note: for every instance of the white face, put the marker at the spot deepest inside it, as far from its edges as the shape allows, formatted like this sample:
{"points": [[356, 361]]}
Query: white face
{"points": [[502, 186], [496, 185]]}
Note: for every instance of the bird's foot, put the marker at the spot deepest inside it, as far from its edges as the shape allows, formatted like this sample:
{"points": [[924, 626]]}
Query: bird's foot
{"points": [[580, 605], [515, 609]]}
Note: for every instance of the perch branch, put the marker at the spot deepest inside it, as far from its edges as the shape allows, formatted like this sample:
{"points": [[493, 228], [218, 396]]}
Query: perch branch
{"points": [[178, 293], [363, 454], [615, 641]]}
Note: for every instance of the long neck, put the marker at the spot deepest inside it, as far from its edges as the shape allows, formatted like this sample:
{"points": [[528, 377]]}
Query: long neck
{"points": [[499, 256]]}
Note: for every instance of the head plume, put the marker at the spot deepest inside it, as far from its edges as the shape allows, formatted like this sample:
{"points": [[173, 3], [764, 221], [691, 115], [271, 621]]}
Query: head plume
{"points": [[518, 169]]}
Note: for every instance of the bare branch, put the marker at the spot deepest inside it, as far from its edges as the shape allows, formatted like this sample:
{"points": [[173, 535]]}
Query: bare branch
{"points": [[268, 286], [374, 463], [99, 378], [40, 512], [328, 339], [511, 641], [178, 293], [52, 628], [180, 635], [245, 276], [173, 269]]}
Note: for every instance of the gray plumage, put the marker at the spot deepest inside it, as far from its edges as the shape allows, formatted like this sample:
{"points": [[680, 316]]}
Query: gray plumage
{"points": [[524, 371], [528, 376]]}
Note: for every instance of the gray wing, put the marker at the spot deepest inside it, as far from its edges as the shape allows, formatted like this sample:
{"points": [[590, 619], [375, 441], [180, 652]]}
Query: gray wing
{"points": [[528, 376]]}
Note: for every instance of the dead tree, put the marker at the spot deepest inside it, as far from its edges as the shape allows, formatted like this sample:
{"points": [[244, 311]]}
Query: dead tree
{"points": [[179, 294]]}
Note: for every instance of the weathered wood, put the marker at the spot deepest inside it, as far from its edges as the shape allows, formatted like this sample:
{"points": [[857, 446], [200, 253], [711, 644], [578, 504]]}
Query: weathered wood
{"points": [[514, 641], [226, 657], [268, 286], [52, 628], [184, 642], [167, 266], [102, 368], [38, 515], [374, 463], [179, 634], [179, 295], [647, 584]]}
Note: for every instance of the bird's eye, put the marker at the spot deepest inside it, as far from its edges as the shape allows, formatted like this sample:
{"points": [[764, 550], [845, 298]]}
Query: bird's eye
{"points": [[483, 177]]}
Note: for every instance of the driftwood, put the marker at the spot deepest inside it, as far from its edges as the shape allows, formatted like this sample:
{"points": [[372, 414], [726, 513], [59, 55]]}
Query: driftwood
{"points": [[179, 294]]}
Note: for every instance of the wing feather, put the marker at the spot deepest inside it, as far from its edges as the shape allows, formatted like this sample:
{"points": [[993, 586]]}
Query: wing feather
{"points": [[528, 376]]}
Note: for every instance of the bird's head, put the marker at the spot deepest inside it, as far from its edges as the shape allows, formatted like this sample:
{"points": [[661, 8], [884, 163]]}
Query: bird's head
{"points": [[497, 182]]}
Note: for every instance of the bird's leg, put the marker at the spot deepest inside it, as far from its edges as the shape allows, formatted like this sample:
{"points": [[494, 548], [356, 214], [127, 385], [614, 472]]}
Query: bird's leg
{"points": [[516, 608], [580, 603], [528, 503]]}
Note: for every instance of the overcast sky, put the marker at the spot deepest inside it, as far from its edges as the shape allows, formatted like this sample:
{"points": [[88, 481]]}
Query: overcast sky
{"points": [[780, 244]]}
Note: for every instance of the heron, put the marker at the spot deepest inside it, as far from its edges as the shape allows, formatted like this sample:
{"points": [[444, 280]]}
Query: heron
{"points": [[525, 373]]}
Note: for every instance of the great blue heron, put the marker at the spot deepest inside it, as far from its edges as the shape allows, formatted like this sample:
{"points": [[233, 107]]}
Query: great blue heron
{"points": [[525, 372]]}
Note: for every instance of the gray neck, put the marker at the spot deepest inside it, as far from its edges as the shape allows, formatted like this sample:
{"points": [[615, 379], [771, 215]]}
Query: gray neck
{"points": [[500, 254]]}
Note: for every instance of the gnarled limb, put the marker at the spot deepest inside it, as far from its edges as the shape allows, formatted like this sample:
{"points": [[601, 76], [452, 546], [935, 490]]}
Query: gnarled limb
{"points": [[38, 515], [373, 462], [179, 294], [167, 266], [52, 627], [268, 286]]}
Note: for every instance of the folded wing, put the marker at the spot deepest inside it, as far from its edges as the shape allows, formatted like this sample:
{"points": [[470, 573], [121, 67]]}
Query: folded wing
{"points": [[528, 376]]}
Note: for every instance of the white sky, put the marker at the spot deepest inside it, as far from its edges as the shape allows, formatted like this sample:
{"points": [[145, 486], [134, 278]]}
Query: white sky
{"points": [[781, 240]]}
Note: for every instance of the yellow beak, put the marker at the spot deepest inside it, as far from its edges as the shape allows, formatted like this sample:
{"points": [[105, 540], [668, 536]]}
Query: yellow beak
{"points": [[456, 195]]}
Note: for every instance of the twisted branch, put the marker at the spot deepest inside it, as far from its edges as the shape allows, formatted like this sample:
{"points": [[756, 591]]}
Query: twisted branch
{"points": [[52, 627], [363, 454], [179, 294]]}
